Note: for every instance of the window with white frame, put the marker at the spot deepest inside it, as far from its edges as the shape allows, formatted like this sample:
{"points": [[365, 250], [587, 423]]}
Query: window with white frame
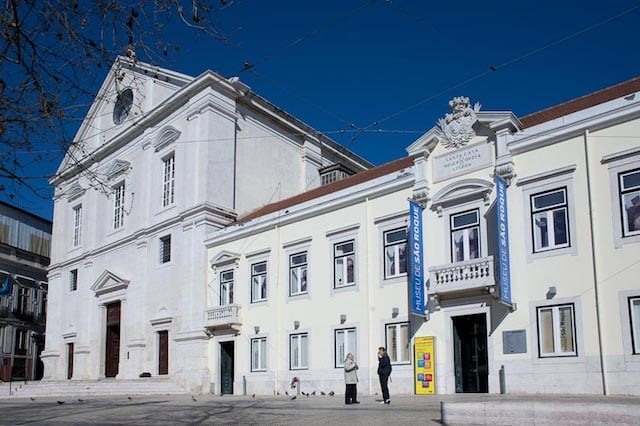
{"points": [[298, 273], [556, 331], [345, 342], [629, 189], [258, 282], [118, 206], [165, 249], [168, 180], [226, 288], [73, 280], [634, 316], [397, 342], [550, 220], [299, 351], [344, 263], [465, 235], [259, 354], [77, 225], [395, 253]]}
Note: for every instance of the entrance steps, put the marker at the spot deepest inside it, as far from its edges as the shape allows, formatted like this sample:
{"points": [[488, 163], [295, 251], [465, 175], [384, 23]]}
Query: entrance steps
{"points": [[85, 388]]}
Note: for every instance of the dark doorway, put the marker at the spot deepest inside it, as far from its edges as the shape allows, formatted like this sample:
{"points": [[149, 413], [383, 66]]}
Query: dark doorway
{"points": [[226, 368], [163, 352], [470, 354], [113, 340], [69, 361]]}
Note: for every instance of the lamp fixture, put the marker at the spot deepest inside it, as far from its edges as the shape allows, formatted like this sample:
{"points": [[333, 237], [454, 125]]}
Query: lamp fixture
{"points": [[256, 329], [395, 312], [296, 324], [343, 318], [551, 292]]}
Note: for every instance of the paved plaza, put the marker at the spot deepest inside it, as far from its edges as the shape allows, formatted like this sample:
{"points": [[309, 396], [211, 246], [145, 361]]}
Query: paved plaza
{"points": [[158, 410], [323, 410]]}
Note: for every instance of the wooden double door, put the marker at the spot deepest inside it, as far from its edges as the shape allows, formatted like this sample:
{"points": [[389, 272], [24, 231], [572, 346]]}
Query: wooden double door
{"points": [[112, 355]]}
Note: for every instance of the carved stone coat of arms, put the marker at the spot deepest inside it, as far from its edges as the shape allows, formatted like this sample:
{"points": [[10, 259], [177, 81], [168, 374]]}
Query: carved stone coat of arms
{"points": [[457, 126]]}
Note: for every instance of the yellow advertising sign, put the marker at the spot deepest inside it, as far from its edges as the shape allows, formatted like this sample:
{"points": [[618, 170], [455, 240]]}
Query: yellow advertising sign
{"points": [[424, 366]]}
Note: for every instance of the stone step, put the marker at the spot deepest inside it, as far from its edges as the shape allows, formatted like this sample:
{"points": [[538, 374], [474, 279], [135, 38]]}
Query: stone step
{"points": [[90, 388]]}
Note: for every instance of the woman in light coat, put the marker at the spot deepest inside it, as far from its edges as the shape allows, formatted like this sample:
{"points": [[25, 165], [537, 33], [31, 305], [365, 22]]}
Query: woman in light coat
{"points": [[351, 380]]}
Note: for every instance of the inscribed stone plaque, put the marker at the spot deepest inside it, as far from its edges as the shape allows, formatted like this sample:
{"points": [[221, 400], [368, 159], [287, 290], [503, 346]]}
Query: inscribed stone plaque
{"points": [[461, 161], [514, 342]]}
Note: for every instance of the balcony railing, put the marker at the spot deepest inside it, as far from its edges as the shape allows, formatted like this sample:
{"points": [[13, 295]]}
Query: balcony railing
{"points": [[471, 276], [221, 317]]}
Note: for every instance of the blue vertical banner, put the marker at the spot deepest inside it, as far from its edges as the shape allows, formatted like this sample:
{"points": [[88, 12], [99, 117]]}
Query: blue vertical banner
{"points": [[416, 267], [504, 268]]}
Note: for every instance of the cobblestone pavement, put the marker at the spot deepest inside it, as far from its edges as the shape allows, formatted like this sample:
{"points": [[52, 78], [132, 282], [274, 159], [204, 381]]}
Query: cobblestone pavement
{"points": [[159, 410]]}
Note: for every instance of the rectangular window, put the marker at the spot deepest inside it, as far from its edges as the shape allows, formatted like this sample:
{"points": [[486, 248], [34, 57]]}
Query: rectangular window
{"points": [[397, 342], [165, 249], [299, 351], [77, 225], [630, 202], [556, 331], [259, 354], [21, 342], [550, 220], [23, 300], [168, 180], [395, 253], [226, 288], [258, 282], [118, 206], [345, 343], [634, 314], [298, 273], [344, 260], [73, 280], [465, 236]]}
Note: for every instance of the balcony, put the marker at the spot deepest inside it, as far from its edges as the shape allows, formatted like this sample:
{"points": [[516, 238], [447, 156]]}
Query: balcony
{"points": [[225, 317], [461, 279]]}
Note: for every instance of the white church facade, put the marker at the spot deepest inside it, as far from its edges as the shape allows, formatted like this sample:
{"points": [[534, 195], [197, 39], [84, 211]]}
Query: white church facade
{"points": [[202, 237]]}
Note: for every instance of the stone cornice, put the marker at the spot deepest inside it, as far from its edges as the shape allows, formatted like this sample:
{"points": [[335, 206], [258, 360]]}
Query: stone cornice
{"points": [[202, 213], [347, 197]]}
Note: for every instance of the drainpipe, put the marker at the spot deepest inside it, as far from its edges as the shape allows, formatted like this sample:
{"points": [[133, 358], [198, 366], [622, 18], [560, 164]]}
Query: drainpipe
{"points": [[277, 291], [594, 266], [368, 289]]}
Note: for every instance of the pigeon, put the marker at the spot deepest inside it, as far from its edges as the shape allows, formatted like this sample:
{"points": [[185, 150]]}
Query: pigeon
{"points": [[80, 400], [32, 398], [293, 397], [286, 393], [253, 396], [332, 393], [322, 393], [313, 393], [193, 398], [60, 402], [129, 398], [303, 393]]}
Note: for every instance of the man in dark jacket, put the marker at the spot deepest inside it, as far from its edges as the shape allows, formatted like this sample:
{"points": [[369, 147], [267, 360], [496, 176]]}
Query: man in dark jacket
{"points": [[384, 371]]}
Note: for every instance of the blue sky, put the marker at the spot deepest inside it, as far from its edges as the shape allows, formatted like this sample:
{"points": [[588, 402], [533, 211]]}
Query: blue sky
{"points": [[343, 65]]}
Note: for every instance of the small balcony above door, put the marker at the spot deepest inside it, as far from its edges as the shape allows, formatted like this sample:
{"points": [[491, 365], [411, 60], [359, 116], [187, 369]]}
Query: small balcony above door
{"points": [[223, 319], [462, 279]]}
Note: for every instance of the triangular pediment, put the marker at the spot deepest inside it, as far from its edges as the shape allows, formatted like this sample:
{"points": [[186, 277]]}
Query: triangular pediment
{"points": [[117, 167], [224, 258], [108, 282], [150, 85]]}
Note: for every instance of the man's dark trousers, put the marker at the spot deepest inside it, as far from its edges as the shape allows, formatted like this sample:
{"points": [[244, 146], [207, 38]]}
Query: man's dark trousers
{"points": [[384, 379]]}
